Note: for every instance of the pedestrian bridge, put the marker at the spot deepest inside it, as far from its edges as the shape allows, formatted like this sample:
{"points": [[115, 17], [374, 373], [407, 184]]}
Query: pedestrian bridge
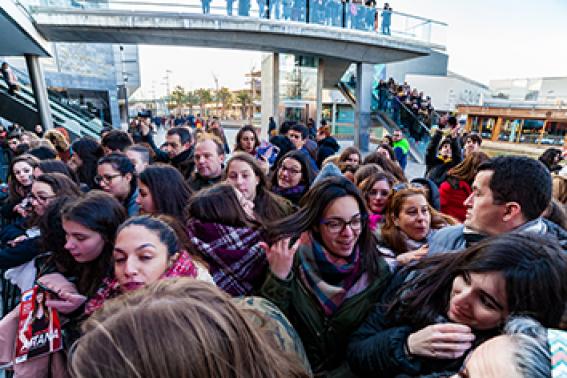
{"points": [[307, 27]]}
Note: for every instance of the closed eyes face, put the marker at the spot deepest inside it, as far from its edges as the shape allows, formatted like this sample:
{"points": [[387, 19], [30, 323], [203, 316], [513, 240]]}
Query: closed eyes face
{"points": [[140, 258]]}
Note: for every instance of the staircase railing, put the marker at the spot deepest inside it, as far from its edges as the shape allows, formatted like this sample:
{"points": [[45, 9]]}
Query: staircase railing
{"points": [[59, 99]]}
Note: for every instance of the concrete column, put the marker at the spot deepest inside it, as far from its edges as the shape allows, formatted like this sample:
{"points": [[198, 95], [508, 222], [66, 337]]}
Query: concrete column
{"points": [[39, 91], [362, 122], [319, 105], [334, 117], [270, 91]]}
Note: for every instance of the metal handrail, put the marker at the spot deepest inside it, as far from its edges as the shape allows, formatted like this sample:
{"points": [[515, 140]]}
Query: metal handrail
{"points": [[54, 96]]}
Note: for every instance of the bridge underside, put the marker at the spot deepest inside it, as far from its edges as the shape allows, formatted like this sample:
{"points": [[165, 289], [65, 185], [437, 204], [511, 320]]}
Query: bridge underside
{"points": [[152, 28]]}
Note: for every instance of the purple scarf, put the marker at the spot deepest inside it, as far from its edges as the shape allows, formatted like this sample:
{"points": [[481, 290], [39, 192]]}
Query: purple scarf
{"points": [[236, 261]]}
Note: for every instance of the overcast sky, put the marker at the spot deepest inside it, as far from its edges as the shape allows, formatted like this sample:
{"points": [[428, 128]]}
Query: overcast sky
{"points": [[485, 40]]}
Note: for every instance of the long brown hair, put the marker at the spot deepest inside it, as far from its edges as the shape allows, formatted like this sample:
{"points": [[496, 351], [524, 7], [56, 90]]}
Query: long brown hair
{"points": [[391, 234], [467, 169], [177, 328], [386, 164], [17, 191], [269, 206]]}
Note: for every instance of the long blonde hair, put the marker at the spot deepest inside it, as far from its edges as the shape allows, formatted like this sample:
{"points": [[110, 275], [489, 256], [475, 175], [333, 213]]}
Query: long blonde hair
{"points": [[177, 328]]}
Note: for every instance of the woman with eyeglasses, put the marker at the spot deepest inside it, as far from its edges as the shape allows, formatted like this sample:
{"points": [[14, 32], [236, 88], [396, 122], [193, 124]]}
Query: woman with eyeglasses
{"points": [[325, 273], [117, 176], [293, 176], [409, 223], [23, 245], [438, 310], [376, 190]]}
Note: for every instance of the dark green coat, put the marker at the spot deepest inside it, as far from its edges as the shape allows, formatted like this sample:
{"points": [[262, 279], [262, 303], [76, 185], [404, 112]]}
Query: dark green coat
{"points": [[324, 338]]}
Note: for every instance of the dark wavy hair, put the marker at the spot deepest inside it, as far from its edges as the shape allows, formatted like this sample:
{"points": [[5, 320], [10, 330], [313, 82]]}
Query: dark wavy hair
{"points": [[163, 231], [57, 166], [89, 151], [533, 268], [102, 213], [218, 204], [243, 129], [170, 193], [309, 216]]}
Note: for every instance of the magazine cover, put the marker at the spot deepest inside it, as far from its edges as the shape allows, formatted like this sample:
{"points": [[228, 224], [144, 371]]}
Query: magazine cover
{"points": [[39, 330]]}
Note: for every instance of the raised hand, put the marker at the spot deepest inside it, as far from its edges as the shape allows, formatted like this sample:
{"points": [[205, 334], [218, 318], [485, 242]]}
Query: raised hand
{"points": [[280, 256]]}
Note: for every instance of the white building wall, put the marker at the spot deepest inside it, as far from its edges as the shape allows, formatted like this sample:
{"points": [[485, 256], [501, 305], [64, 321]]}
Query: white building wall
{"points": [[448, 91]]}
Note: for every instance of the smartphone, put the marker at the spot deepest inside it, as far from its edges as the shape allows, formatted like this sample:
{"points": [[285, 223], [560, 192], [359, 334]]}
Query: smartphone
{"points": [[46, 289], [268, 151]]}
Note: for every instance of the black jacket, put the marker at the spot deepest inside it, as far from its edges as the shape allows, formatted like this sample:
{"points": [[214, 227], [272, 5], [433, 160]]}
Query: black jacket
{"points": [[377, 348], [24, 251], [436, 169], [184, 162], [327, 147], [198, 182]]}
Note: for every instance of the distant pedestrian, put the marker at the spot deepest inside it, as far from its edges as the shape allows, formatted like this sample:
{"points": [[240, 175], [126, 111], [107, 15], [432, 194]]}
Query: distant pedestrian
{"points": [[261, 8], [10, 79], [229, 7], [244, 8], [386, 19], [206, 4]]}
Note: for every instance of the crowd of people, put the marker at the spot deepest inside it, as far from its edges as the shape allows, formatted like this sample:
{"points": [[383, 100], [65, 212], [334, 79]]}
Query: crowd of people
{"points": [[357, 14], [291, 257]]}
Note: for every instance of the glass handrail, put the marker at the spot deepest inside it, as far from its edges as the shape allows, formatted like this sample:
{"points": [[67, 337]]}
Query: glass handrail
{"points": [[331, 13]]}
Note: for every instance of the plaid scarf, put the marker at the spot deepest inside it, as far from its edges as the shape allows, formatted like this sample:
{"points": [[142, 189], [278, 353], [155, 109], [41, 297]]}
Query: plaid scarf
{"points": [[329, 278], [236, 261], [182, 267]]}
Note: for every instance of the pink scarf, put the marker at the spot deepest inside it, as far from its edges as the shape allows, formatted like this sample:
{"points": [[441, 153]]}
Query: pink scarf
{"points": [[182, 267]]}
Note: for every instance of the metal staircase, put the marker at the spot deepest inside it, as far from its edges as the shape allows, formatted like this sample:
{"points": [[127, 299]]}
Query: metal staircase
{"points": [[21, 108]]}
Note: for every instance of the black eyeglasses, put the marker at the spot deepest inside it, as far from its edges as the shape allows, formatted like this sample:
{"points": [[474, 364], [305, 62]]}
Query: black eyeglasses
{"points": [[337, 225], [106, 178], [39, 198]]}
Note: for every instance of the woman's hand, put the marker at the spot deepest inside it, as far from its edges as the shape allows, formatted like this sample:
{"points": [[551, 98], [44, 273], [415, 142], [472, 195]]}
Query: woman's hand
{"points": [[67, 302], [19, 239], [69, 299], [406, 258], [443, 341], [280, 256], [21, 209]]}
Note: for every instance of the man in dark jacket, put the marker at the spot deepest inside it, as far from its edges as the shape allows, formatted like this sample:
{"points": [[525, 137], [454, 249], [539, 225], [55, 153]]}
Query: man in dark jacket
{"points": [[178, 151], [327, 145], [509, 195], [443, 155], [209, 159]]}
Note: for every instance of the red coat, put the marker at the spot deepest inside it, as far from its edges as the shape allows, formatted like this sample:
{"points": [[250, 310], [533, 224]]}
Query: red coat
{"points": [[452, 197]]}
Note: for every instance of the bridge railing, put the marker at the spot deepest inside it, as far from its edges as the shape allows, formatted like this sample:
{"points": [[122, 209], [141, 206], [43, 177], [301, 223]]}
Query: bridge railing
{"points": [[335, 13]]}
